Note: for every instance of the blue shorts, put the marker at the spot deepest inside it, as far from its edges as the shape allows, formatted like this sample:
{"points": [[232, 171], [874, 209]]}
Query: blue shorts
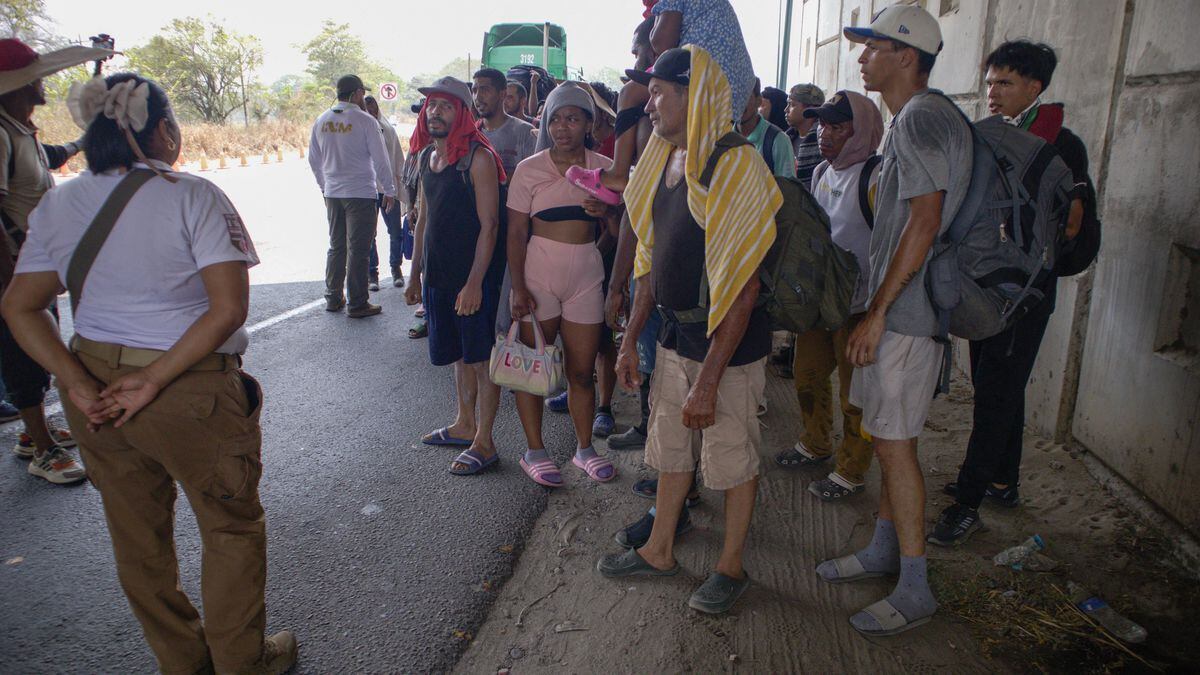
{"points": [[467, 338]]}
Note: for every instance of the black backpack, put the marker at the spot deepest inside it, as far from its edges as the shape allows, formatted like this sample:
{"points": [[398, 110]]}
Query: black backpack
{"points": [[1076, 255]]}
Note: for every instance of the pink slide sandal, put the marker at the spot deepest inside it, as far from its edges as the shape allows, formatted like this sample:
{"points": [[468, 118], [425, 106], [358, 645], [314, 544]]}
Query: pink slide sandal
{"points": [[543, 472], [594, 465], [589, 181]]}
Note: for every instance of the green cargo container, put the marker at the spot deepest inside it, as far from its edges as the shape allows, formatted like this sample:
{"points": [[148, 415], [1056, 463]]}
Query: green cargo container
{"points": [[513, 44]]}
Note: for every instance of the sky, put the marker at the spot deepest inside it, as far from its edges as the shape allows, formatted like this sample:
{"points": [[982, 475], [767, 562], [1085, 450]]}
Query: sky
{"points": [[409, 37]]}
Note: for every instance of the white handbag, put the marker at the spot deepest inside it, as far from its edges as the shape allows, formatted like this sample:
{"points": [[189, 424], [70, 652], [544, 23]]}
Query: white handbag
{"points": [[536, 370]]}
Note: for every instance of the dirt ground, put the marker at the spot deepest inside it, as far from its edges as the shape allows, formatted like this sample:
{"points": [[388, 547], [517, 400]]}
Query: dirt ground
{"points": [[557, 614]]}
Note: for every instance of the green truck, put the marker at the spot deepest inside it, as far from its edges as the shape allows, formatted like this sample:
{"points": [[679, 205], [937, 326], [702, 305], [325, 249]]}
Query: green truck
{"points": [[529, 44]]}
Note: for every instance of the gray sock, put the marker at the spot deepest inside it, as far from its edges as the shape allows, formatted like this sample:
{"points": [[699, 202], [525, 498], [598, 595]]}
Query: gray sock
{"points": [[883, 553], [532, 455], [911, 597]]}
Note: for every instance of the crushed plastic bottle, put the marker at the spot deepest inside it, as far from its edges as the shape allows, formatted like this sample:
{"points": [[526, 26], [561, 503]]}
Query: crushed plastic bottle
{"points": [[1015, 557], [1106, 616]]}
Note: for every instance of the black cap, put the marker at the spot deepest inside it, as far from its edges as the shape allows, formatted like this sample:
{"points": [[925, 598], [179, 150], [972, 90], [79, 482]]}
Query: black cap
{"points": [[834, 111], [348, 84], [673, 65]]}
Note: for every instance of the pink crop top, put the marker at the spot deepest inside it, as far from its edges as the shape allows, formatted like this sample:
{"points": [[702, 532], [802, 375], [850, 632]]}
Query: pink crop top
{"points": [[537, 187]]}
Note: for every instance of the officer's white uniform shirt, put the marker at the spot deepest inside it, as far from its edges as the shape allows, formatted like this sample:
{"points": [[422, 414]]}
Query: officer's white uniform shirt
{"points": [[144, 289], [347, 154]]}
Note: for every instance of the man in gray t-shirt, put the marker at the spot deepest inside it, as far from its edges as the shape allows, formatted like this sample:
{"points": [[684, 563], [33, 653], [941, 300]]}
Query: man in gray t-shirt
{"points": [[514, 141], [923, 180], [927, 150]]}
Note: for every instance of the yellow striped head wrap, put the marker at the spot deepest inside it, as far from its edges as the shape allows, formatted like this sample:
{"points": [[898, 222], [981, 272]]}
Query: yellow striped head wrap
{"points": [[737, 212]]}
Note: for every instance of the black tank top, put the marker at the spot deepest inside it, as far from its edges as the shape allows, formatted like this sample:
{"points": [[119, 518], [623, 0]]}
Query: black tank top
{"points": [[677, 264], [451, 227]]}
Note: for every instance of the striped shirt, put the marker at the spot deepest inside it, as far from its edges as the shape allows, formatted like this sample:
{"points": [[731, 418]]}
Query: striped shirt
{"points": [[808, 155]]}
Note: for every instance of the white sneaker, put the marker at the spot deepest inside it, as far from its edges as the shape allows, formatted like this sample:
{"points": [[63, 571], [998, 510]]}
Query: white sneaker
{"points": [[58, 465], [25, 446]]}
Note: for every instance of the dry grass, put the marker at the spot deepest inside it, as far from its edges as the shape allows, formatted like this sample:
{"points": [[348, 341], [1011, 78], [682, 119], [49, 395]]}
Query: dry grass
{"points": [[208, 140], [1028, 618]]}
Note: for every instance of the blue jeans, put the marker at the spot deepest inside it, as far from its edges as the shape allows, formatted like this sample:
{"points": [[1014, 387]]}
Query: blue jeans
{"points": [[392, 221]]}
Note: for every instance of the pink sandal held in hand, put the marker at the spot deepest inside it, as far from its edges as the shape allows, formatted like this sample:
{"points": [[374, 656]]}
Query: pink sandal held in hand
{"points": [[589, 181]]}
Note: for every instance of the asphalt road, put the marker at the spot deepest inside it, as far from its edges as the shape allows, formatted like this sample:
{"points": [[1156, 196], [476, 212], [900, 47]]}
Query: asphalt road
{"points": [[379, 560]]}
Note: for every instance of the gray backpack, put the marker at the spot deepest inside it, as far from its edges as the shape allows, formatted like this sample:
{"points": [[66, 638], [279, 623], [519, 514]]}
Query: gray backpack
{"points": [[989, 266]]}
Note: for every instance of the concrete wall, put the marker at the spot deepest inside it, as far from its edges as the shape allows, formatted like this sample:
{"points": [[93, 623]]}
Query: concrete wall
{"points": [[1112, 374]]}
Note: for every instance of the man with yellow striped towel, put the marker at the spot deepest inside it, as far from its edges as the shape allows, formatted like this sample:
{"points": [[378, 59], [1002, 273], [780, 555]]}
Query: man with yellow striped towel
{"points": [[704, 215]]}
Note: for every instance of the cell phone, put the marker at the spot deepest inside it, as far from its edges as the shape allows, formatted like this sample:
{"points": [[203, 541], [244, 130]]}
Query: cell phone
{"points": [[103, 41]]}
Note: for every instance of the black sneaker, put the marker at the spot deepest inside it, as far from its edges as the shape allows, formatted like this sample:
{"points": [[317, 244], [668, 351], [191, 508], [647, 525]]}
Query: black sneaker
{"points": [[648, 488], [637, 534], [1007, 497], [955, 525]]}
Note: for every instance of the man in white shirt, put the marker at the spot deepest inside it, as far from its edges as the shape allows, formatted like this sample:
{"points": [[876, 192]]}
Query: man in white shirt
{"points": [[348, 159], [391, 219]]}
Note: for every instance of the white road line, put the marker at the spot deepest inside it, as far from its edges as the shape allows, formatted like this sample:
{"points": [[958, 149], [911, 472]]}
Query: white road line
{"points": [[278, 318], [56, 408]]}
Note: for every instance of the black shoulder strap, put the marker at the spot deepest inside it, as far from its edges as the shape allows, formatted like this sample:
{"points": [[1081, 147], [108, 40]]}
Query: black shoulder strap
{"points": [[768, 147], [818, 171], [12, 151], [464, 162], [864, 189], [97, 233], [724, 144]]}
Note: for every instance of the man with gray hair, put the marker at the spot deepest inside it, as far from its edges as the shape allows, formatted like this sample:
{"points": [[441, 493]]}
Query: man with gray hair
{"points": [[348, 157]]}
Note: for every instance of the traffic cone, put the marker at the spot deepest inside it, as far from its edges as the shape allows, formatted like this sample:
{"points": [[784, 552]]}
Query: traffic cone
{"points": [[222, 164], [242, 160], [266, 158], [278, 154], [301, 152], [204, 162]]}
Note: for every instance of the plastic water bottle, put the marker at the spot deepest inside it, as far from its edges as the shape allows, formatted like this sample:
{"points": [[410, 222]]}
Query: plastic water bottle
{"points": [[1013, 557], [1106, 616]]}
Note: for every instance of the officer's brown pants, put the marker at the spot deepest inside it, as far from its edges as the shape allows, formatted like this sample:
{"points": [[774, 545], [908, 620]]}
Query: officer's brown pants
{"points": [[202, 431]]}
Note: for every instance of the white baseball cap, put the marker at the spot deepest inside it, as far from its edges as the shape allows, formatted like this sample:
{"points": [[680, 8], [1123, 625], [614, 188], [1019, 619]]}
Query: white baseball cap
{"points": [[903, 23]]}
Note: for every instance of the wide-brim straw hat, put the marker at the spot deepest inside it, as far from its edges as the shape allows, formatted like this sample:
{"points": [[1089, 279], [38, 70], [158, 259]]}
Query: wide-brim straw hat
{"points": [[20, 65]]}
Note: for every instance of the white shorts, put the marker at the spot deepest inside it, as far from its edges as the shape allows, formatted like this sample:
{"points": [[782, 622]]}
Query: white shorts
{"points": [[896, 391]]}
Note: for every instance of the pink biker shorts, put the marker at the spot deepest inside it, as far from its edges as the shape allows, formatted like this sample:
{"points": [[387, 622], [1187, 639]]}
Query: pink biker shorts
{"points": [[565, 280]]}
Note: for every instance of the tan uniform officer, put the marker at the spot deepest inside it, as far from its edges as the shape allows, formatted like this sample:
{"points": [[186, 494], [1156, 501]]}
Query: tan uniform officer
{"points": [[151, 384]]}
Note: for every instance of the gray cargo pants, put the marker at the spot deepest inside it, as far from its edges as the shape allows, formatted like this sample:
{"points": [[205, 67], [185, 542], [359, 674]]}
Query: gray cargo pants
{"points": [[352, 223]]}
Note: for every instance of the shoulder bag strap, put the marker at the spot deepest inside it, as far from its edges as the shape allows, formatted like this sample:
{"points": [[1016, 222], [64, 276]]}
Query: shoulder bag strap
{"points": [[864, 190], [97, 233], [725, 143]]}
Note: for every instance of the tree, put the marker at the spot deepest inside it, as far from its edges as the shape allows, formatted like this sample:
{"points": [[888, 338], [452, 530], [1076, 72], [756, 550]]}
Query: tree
{"points": [[205, 68], [27, 21], [299, 99], [335, 52], [609, 76]]}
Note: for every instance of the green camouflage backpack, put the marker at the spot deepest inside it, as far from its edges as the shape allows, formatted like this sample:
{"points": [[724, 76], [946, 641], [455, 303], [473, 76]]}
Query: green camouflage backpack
{"points": [[807, 280]]}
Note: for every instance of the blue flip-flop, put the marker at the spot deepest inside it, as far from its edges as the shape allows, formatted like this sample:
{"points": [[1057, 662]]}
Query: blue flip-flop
{"points": [[442, 437], [474, 461]]}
